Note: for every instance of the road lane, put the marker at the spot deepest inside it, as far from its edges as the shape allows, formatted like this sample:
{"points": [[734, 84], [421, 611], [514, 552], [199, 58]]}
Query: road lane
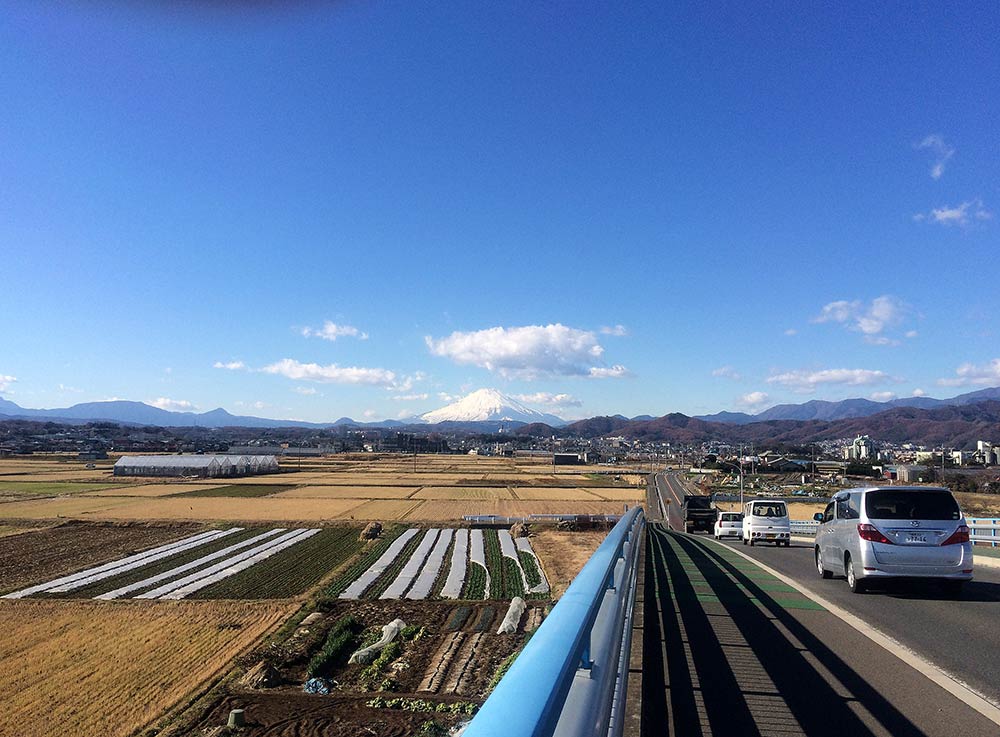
{"points": [[959, 636], [730, 650]]}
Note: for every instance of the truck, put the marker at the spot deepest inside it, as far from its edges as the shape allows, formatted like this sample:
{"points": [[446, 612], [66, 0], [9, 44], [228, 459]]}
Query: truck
{"points": [[698, 513]]}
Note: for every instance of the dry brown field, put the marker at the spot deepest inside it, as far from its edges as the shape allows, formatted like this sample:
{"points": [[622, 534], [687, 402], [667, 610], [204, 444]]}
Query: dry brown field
{"points": [[43, 554], [568, 493], [464, 493], [81, 475], [635, 494], [347, 492], [155, 489], [979, 505], [441, 510], [563, 554], [386, 509], [86, 668]]}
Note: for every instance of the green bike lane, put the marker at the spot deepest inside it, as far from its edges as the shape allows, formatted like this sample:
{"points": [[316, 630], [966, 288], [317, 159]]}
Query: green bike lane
{"points": [[729, 649]]}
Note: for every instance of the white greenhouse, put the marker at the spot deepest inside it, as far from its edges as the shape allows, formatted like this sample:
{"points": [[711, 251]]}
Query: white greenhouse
{"points": [[208, 466]]}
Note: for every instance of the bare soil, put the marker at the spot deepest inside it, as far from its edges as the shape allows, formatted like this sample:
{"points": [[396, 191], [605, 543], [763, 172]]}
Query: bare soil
{"points": [[37, 556], [465, 672]]}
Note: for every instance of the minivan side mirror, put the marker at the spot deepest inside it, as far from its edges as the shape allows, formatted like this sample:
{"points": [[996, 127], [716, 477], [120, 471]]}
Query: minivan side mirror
{"points": [[818, 517]]}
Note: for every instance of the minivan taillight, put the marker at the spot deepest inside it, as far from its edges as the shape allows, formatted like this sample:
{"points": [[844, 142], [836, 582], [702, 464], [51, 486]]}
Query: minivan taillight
{"points": [[961, 535], [872, 534]]}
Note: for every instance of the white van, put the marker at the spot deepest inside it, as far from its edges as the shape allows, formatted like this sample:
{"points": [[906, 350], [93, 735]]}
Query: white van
{"points": [[766, 520]]}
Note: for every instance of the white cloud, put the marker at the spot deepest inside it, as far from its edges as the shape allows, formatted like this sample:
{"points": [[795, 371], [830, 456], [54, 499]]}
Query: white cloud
{"points": [[67, 389], [230, 366], [962, 215], [942, 153], [727, 372], [527, 352], [306, 390], [369, 413], [173, 405], [331, 374], [753, 400], [791, 331], [871, 319], [918, 393], [332, 331], [404, 414], [807, 381], [546, 399], [882, 396], [613, 372], [410, 397], [449, 398], [619, 331], [407, 382], [970, 374], [6, 381], [912, 333]]}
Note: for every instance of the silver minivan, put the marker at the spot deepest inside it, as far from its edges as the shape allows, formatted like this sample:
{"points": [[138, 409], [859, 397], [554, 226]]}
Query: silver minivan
{"points": [[894, 532]]}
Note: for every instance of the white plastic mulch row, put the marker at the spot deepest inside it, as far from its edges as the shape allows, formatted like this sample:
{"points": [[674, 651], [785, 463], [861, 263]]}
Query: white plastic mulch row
{"points": [[410, 569], [477, 554], [509, 550], [107, 570], [289, 541], [356, 589], [524, 545], [456, 574], [421, 588], [205, 573], [174, 572]]}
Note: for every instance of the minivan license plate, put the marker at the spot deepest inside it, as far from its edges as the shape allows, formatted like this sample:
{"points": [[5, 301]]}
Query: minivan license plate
{"points": [[915, 537]]}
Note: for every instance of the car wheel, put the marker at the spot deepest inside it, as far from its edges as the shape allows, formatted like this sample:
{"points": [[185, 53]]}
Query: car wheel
{"points": [[952, 589], [820, 567], [858, 585]]}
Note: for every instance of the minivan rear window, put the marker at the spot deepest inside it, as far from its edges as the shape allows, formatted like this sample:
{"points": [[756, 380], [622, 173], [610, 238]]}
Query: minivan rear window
{"points": [[937, 505], [772, 509]]}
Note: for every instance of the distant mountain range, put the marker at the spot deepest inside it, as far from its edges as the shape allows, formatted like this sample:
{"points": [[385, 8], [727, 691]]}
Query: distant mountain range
{"points": [[957, 426], [485, 409], [847, 408], [957, 421]]}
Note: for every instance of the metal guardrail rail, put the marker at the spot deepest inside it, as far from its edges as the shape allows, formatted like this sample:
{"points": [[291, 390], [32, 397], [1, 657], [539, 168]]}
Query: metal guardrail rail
{"points": [[982, 530], [571, 677]]}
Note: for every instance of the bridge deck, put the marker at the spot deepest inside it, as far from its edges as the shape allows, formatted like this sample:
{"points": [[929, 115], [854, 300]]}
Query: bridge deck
{"points": [[727, 649]]}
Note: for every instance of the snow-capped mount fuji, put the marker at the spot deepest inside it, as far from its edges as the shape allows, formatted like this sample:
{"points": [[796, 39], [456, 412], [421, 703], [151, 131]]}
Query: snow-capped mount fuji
{"points": [[489, 405]]}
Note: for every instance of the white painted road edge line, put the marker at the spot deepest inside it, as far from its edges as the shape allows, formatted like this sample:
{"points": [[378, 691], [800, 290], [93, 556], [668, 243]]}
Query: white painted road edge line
{"points": [[964, 693]]}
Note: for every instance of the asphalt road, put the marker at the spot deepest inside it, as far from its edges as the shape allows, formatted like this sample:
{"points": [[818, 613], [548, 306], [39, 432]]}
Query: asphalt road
{"points": [[728, 649], [961, 636]]}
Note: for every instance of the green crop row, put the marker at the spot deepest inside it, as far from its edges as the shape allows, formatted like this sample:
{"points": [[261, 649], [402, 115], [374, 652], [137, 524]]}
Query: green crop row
{"points": [[494, 562], [530, 566], [475, 582], [423, 705], [341, 637], [389, 574], [291, 571], [156, 567], [371, 678], [364, 561]]}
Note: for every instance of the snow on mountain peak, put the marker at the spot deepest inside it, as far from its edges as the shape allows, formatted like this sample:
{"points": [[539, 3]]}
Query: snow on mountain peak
{"points": [[489, 405]]}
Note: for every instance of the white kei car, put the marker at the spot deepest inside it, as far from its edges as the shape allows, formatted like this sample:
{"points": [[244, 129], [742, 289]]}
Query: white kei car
{"points": [[729, 524]]}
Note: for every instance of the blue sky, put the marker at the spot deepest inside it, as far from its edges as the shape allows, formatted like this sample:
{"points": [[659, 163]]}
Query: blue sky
{"points": [[311, 210]]}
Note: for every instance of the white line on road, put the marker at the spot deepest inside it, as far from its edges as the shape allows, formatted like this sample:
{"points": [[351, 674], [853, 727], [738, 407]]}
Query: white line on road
{"points": [[957, 688]]}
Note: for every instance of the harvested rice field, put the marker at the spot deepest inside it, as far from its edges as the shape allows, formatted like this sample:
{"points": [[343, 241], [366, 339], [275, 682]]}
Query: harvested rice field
{"points": [[348, 492], [439, 510], [557, 494], [94, 669], [153, 489], [385, 509], [464, 492]]}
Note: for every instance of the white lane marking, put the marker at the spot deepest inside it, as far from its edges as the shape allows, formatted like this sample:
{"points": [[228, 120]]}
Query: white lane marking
{"points": [[956, 687]]}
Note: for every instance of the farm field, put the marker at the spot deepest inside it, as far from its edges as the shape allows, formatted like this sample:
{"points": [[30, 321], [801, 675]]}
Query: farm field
{"points": [[543, 494], [464, 492], [348, 492], [227, 563], [157, 489], [86, 668], [442, 510], [451, 653]]}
